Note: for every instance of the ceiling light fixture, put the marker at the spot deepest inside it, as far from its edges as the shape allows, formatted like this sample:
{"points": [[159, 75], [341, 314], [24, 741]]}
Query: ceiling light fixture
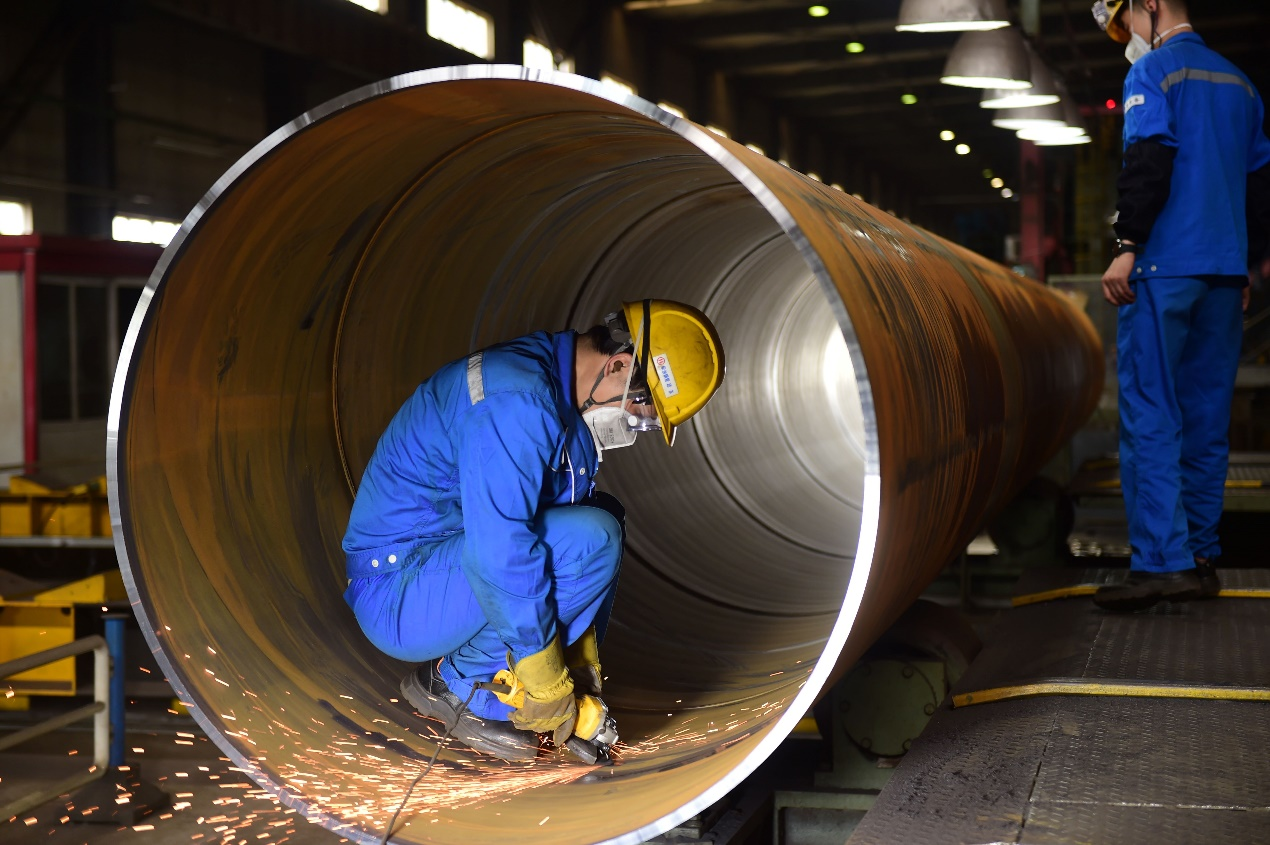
{"points": [[997, 182], [962, 149], [947, 135], [855, 47], [1029, 118], [908, 99], [1007, 193], [996, 59], [1046, 133], [951, 15], [1043, 92], [1068, 141], [818, 11]]}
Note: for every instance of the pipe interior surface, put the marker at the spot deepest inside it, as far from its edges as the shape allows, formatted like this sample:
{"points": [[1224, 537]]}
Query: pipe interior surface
{"points": [[412, 222]]}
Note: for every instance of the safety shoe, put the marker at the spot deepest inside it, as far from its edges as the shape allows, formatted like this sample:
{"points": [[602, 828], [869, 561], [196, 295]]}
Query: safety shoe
{"points": [[1143, 589], [1209, 583], [428, 692]]}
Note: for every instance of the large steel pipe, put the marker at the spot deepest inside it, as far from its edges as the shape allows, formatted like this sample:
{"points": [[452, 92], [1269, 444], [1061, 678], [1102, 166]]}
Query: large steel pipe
{"points": [[887, 390]]}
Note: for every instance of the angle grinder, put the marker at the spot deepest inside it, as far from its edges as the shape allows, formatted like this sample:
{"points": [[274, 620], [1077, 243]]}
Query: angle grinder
{"points": [[594, 733]]}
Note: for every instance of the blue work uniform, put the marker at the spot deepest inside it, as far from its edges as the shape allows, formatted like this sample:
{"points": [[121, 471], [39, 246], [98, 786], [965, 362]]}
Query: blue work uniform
{"points": [[470, 536], [1178, 342]]}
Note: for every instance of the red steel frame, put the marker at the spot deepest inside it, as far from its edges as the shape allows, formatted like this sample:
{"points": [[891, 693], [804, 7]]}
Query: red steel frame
{"points": [[33, 255]]}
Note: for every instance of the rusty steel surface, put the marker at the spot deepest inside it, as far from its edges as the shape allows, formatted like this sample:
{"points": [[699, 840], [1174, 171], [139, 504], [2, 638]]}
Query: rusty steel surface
{"points": [[886, 391]]}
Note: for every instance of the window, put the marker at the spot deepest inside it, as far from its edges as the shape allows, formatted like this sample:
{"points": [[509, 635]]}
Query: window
{"points": [[538, 55], [616, 87], [15, 217], [462, 27], [82, 323], [143, 230], [380, 6]]}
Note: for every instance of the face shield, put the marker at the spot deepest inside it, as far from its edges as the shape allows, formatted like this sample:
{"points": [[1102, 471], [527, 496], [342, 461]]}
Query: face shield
{"points": [[639, 412]]}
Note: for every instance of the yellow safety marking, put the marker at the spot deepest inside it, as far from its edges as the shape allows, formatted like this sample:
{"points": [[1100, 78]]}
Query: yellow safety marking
{"points": [[1231, 484], [1090, 589], [1120, 690]]}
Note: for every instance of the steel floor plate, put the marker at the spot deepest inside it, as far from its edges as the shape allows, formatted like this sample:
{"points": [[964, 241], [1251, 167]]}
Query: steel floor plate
{"points": [[1219, 643], [1045, 579], [1068, 769]]}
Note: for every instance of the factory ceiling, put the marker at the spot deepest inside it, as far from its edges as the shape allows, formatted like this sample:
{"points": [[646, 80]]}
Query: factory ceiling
{"points": [[774, 49]]}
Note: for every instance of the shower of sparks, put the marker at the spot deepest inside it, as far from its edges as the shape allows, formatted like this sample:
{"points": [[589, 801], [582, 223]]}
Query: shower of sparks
{"points": [[347, 778]]}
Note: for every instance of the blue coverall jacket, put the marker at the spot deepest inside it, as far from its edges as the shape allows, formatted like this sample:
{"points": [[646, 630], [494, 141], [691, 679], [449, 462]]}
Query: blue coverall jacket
{"points": [[486, 470]]}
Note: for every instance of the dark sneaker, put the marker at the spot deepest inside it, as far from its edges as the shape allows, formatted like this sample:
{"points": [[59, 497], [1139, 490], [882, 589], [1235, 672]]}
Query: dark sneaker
{"points": [[425, 689], [1209, 583], [1143, 589]]}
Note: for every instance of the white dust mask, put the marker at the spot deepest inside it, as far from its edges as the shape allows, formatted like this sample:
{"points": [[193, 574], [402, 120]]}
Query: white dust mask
{"points": [[609, 427]]}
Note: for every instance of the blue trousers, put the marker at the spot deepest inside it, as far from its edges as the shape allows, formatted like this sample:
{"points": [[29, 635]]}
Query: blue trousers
{"points": [[428, 610], [1178, 346]]}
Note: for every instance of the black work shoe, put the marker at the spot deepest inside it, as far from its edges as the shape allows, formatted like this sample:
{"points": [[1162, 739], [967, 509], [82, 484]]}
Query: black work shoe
{"points": [[1143, 589], [1209, 583], [427, 691]]}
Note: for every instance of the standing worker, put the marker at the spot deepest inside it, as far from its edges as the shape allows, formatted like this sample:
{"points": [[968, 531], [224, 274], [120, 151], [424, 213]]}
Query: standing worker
{"points": [[477, 535], [1194, 190]]}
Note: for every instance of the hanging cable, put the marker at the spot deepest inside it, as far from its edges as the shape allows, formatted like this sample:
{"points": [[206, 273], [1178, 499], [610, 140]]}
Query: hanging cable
{"points": [[444, 739]]}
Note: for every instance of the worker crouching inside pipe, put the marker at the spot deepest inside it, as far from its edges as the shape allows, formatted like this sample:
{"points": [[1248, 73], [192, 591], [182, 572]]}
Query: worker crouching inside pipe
{"points": [[478, 535]]}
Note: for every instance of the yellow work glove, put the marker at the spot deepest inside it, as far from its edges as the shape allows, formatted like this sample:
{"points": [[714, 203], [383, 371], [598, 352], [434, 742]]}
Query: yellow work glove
{"points": [[549, 705], [583, 659]]}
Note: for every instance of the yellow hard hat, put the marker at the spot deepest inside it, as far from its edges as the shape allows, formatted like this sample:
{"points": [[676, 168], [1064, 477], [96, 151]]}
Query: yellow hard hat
{"points": [[679, 353], [1110, 17]]}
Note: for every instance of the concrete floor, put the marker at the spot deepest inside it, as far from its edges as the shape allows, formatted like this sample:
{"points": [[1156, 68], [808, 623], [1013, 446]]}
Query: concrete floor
{"points": [[208, 801]]}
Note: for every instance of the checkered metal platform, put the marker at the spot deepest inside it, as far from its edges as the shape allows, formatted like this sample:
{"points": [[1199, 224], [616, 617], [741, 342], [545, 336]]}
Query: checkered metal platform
{"points": [[1092, 768]]}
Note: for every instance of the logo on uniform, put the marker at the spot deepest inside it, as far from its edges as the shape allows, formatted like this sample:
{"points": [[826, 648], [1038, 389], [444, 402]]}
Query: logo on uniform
{"points": [[666, 375], [1135, 100]]}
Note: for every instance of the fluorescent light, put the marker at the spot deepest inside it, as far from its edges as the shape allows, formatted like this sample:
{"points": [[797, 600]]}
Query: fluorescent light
{"points": [[951, 15], [675, 110], [1007, 193], [380, 6], [718, 130], [836, 186], [947, 135], [963, 149], [997, 182], [537, 55], [756, 148], [15, 218], [143, 230], [616, 86], [814, 175], [908, 99], [855, 47], [461, 26], [818, 11], [995, 59]]}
